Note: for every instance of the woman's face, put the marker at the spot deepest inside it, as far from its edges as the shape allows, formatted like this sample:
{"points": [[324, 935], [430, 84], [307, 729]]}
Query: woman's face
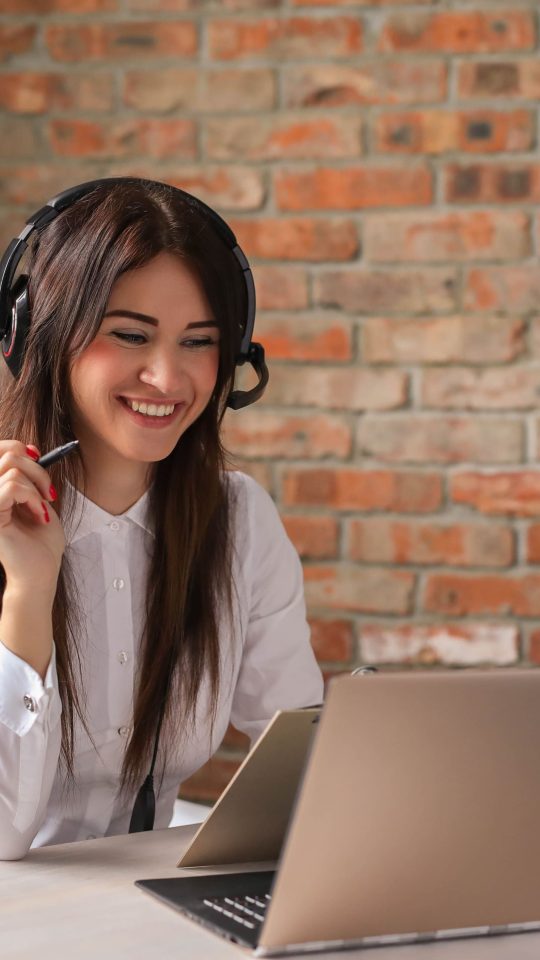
{"points": [[158, 345]]}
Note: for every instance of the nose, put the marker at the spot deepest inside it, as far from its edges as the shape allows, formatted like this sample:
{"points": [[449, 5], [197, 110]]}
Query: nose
{"points": [[164, 371]]}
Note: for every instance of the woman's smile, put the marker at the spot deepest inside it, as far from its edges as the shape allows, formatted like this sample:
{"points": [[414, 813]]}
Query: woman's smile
{"points": [[152, 415]]}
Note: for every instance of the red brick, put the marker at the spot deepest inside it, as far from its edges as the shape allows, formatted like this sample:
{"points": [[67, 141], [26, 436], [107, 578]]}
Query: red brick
{"points": [[42, 7], [349, 488], [352, 188], [442, 131], [124, 138], [160, 91], [511, 79], [209, 781], [15, 39], [362, 589], [515, 493], [506, 388], [432, 289], [267, 434], [281, 287], [479, 339], [383, 540], [297, 238], [287, 38], [43, 92], [511, 289], [310, 337], [460, 235], [332, 639], [283, 137], [533, 651], [460, 595], [436, 439], [533, 544], [450, 644], [335, 388], [381, 81], [132, 39], [510, 182], [464, 31], [314, 537]]}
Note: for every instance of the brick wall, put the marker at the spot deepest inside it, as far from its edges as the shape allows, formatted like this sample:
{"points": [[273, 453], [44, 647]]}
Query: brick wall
{"points": [[378, 161]]}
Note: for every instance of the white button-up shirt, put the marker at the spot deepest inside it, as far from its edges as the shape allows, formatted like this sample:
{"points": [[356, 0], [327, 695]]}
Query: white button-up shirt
{"points": [[266, 659]]}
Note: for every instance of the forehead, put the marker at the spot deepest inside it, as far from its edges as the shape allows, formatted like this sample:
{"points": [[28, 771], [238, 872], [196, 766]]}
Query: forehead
{"points": [[165, 287]]}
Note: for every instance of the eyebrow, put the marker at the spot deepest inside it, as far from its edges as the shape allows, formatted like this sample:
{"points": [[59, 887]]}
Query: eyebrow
{"points": [[153, 321]]}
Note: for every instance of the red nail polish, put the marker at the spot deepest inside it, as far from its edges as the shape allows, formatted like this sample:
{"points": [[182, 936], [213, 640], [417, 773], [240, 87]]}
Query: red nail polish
{"points": [[45, 512], [52, 493], [32, 453]]}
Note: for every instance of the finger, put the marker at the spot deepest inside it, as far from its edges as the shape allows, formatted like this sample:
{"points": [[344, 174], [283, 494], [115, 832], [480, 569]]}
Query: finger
{"points": [[17, 446], [11, 460], [18, 492]]}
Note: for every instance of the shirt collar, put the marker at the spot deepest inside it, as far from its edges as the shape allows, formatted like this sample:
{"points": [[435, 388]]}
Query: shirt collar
{"points": [[88, 518]]}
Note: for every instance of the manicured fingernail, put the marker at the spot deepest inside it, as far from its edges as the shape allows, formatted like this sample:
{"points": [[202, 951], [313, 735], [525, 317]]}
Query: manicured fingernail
{"points": [[45, 512], [52, 493], [32, 453]]}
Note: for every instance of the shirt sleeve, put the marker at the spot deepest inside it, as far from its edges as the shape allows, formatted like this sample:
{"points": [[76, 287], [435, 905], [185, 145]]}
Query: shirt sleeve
{"points": [[278, 670], [30, 736]]}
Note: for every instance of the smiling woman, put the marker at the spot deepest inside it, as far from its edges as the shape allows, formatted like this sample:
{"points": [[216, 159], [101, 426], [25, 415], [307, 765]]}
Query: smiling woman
{"points": [[160, 598]]}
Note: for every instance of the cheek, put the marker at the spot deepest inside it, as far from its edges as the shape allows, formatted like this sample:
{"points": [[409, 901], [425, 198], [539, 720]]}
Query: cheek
{"points": [[207, 372], [95, 367]]}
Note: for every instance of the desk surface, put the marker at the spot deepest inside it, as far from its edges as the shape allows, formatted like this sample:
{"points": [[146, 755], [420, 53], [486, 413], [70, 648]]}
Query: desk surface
{"points": [[78, 900]]}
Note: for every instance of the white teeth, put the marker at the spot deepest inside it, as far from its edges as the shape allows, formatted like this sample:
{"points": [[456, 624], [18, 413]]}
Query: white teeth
{"points": [[151, 409]]}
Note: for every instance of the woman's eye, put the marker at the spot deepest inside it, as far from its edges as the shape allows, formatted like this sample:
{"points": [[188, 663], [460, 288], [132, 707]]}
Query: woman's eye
{"points": [[129, 337], [195, 342]]}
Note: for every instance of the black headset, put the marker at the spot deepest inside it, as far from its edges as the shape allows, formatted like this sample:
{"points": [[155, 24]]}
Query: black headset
{"points": [[15, 316]]}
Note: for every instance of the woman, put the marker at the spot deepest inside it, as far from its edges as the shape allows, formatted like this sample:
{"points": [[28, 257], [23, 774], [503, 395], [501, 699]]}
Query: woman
{"points": [[143, 584]]}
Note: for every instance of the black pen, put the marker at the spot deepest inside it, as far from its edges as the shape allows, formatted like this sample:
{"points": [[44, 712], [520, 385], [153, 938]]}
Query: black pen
{"points": [[53, 455]]}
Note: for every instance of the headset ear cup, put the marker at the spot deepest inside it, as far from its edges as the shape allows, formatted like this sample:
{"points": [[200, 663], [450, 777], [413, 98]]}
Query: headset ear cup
{"points": [[14, 341]]}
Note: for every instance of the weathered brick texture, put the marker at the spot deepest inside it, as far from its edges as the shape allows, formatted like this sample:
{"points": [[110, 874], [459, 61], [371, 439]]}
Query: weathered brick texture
{"points": [[378, 162]]}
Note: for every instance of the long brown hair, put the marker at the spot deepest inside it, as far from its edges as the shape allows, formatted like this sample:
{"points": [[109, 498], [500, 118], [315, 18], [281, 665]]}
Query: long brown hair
{"points": [[74, 263]]}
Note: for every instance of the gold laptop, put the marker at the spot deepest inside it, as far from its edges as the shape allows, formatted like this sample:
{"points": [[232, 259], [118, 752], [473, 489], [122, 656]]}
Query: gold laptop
{"points": [[417, 819]]}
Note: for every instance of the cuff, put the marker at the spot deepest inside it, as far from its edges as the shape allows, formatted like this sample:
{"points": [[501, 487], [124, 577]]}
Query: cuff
{"points": [[24, 696]]}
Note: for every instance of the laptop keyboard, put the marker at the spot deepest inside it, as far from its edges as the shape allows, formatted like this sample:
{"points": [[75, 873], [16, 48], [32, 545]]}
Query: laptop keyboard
{"points": [[248, 911]]}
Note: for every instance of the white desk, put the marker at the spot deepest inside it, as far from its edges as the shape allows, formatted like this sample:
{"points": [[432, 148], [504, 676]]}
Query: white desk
{"points": [[77, 901]]}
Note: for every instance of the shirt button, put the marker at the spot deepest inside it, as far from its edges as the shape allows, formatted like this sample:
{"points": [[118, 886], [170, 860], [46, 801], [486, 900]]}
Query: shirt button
{"points": [[124, 732], [122, 657], [118, 583], [114, 525], [29, 703]]}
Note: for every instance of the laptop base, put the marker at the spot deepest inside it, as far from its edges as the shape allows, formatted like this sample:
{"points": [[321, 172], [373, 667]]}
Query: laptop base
{"points": [[187, 894]]}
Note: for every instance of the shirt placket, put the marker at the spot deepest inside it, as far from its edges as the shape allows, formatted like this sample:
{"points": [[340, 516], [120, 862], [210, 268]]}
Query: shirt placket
{"points": [[120, 631]]}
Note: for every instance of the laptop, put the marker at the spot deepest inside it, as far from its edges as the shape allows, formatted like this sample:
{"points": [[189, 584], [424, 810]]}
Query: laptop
{"points": [[416, 819], [249, 820]]}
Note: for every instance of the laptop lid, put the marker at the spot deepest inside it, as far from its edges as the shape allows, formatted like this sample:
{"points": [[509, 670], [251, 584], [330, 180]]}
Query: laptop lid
{"points": [[249, 820], [418, 813]]}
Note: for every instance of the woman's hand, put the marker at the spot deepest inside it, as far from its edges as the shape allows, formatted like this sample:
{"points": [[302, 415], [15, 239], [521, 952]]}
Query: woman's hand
{"points": [[31, 536]]}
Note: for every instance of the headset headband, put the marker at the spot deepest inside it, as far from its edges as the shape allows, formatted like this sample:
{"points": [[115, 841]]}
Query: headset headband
{"points": [[14, 311]]}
